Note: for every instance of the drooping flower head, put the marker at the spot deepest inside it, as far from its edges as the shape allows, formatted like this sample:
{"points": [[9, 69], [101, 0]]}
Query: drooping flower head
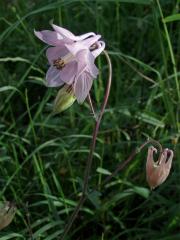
{"points": [[71, 59], [157, 172], [7, 212]]}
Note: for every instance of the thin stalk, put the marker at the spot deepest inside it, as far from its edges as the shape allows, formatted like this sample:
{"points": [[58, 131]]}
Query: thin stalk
{"points": [[121, 166], [92, 147], [91, 106]]}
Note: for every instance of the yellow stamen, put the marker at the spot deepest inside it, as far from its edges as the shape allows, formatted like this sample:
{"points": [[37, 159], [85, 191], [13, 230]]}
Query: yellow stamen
{"points": [[60, 63]]}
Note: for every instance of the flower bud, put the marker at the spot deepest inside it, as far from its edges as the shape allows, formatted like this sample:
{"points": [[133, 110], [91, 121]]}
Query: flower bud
{"points": [[157, 172], [7, 212], [64, 99]]}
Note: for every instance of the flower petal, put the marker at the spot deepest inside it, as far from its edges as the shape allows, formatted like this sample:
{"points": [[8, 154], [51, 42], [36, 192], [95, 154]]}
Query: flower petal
{"points": [[84, 36], [82, 86], [170, 158], [91, 66], [163, 157], [68, 73], [86, 62], [53, 77], [91, 40], [64, 32], [69, 35], [82, 60], [150, 161], [53, 53], [165, 165], [75, 47], [98, 51], [49, 37]]}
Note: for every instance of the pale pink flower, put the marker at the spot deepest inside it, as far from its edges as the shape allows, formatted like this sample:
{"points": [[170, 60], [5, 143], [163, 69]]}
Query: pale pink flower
{"points": [[157, 172], [60, 36], [72, 59]]}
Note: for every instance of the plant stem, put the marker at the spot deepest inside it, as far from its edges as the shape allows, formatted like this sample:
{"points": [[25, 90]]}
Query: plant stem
{"points": [[90, 157], [91, 106], [118, 169], [120, 166]]}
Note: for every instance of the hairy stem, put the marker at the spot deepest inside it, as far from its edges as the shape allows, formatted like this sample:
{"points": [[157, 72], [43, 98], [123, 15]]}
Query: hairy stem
{"points": [[92, 147]]}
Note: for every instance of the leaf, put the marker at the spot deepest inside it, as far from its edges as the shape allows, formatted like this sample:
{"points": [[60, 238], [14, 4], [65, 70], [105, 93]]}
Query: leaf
{"points": [[10, 88], [115, 200], [144, 192], [149, 118], [103, 171], [12, 236], [45, 228], [7, 88], [54, 235], [145, 2], [172, 18], [94, 197], [15, 59]]}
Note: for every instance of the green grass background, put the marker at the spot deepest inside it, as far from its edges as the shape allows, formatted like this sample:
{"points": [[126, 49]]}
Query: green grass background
{"points": [[43, 156]]}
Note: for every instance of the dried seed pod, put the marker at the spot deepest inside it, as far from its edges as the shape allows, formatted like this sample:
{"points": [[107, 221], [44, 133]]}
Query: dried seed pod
{"points": [[157, 172], [7, 212]]}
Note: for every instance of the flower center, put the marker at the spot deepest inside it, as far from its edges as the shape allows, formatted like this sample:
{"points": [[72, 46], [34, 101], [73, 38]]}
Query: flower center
{"points": [[60, 63]]}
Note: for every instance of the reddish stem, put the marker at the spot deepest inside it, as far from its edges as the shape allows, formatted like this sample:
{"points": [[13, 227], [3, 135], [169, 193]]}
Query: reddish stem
{"points": [[90, 157]]}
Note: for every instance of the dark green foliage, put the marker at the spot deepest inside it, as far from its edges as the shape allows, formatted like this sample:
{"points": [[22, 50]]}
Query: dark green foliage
{"points": [[43, 156]]}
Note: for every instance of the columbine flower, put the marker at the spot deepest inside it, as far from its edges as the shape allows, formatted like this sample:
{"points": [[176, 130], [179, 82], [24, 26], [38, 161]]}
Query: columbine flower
{"points": [[72, 59], [60, 36], [157, 172]]}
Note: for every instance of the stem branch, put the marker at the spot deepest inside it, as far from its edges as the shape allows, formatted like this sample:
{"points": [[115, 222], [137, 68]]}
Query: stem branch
{"points": [[120, 166]]}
